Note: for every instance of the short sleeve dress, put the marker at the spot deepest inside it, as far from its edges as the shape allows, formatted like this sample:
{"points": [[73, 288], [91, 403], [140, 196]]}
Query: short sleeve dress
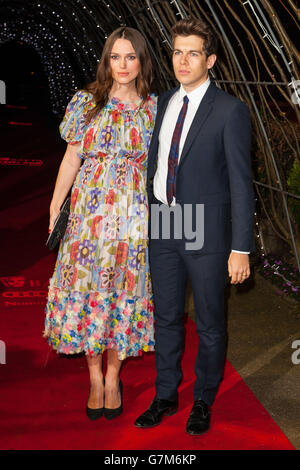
{"points": [[100, 295]]}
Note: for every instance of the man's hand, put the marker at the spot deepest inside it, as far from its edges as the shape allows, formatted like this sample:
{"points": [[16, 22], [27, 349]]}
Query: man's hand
{"points": [[238, 267]]}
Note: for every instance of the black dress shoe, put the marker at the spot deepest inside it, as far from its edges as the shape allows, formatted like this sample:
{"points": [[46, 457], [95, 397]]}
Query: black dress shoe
{"points": [[111, 413], [94, 413], [153, 416], [198, 422]]}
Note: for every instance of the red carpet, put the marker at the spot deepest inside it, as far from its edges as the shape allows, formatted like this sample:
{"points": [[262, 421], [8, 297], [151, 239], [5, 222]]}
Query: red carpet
{"points": [[43, 395]]}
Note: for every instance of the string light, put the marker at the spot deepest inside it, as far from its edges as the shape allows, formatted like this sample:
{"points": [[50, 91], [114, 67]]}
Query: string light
{"points": [[72, 37], [68, 56], [273, 267]]}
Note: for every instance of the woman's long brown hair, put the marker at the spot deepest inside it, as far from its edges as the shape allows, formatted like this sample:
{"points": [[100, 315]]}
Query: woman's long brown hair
{"points": [[101, 87]]}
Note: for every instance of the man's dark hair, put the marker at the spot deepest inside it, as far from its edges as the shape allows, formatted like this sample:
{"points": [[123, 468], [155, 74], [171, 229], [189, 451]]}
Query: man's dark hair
{"points": [[197, 27]]}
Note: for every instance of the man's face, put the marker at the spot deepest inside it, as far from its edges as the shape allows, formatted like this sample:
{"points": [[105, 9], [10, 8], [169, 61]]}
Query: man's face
{"points": [[190, 62]]}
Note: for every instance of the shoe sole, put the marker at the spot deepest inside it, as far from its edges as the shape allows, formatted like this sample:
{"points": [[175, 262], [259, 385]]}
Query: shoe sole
{"points": [[170, 413]]}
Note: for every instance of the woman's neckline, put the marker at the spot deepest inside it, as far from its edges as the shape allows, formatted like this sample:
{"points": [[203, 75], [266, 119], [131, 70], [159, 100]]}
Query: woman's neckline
{"points": [[119, 100]]}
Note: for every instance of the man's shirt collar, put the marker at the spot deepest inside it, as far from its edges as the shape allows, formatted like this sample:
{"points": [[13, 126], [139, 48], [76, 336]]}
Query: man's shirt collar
{"points": [[194, 96]]}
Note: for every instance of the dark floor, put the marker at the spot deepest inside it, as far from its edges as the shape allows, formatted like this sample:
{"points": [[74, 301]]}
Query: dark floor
{"points": [[261, 329]]}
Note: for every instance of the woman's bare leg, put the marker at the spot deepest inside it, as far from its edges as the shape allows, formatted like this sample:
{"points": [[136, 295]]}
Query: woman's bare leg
{"points": [[112, 379], [96, 397]]}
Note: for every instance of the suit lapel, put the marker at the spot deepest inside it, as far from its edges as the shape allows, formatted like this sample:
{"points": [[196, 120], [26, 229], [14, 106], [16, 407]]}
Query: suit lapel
{"points": [[200, 117]]}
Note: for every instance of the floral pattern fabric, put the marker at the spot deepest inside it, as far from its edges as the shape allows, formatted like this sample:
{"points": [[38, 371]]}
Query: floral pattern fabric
{"points": [[100, 295]]}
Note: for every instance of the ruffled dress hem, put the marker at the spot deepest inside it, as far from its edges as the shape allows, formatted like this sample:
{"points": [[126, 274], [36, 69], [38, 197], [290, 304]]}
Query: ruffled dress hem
{"points": [[94, 352], [93, 322]]}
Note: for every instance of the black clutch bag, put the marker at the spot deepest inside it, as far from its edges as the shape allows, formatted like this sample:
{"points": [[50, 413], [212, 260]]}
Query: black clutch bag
{"points": [[60, 225]]}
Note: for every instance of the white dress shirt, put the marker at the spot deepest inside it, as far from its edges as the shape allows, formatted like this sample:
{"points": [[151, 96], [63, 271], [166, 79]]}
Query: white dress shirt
{"points": [[166, 134]]}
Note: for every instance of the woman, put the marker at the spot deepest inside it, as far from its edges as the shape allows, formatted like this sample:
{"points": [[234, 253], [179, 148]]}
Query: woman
{"points": [[100, 295]]}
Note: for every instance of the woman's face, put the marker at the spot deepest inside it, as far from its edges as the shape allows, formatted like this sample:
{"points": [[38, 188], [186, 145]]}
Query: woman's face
{"points": [[124, 63]]}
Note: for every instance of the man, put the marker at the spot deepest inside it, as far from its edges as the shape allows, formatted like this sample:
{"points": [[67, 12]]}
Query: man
{"points": [[199, 156]]}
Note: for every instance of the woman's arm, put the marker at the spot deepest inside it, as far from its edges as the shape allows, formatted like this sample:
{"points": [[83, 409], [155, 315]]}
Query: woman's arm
{"points": [[66, 175]]}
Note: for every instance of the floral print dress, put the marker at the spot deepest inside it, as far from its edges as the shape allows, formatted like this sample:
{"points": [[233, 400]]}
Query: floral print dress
{"points": [[100, 294]]}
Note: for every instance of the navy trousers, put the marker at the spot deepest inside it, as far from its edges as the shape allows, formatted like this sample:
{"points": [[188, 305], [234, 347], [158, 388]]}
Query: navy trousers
{"points": [[169, 268]]}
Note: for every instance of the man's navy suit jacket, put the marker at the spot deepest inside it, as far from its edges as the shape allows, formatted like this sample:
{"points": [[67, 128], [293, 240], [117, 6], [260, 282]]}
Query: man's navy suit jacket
{"points": [[214, 169]]}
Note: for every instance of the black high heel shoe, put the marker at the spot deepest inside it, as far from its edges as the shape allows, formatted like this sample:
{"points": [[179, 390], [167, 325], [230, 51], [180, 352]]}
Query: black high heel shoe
{"points": [[111, 413], [94, 413]]}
